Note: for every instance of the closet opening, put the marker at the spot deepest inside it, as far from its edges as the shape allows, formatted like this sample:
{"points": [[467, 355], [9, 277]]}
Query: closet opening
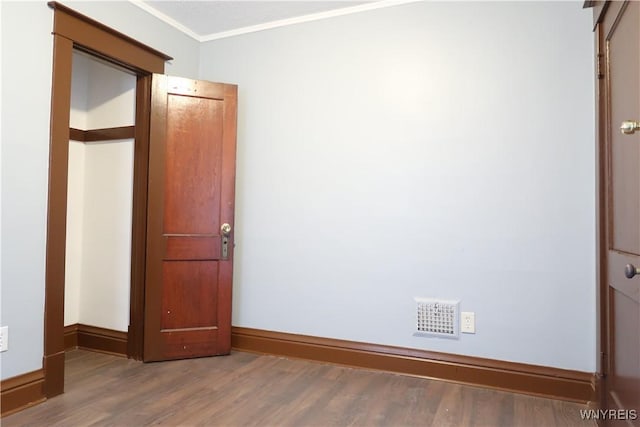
{"points": [[99, 205]]}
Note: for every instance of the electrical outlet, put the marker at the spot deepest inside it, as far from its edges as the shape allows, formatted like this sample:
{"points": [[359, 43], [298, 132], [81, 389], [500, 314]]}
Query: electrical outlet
{"points": [[468, 322], [4, 338]]}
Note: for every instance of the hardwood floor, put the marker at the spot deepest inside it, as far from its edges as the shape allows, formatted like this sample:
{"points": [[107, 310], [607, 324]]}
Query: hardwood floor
{"points": [[254, 390]]}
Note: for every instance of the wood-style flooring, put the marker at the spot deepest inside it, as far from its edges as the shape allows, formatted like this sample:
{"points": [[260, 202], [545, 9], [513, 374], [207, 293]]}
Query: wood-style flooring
{"points": [[255, 390]]}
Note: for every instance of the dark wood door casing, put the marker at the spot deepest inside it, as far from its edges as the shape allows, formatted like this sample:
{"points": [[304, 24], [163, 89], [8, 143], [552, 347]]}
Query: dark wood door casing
{"points": [[617, 32], [73, 30]]}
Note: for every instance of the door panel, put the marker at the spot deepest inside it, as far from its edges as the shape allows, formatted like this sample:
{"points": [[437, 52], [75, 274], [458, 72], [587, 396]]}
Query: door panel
{"points": [[191, 194], [624, 387], [192, 169], [622, 383], [622, 47], [189, 295]]}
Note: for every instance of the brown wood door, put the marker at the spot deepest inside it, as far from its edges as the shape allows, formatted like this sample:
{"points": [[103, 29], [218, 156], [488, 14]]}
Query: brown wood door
{"points": [[622, 42], [191, 196]]}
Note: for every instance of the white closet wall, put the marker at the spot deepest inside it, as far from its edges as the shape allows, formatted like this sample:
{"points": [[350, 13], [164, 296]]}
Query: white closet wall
{"points": [[100, 199]]}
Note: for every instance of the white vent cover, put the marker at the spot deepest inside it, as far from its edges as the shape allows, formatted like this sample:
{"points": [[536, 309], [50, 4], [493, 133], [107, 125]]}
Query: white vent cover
{"points": [[438, 318]]}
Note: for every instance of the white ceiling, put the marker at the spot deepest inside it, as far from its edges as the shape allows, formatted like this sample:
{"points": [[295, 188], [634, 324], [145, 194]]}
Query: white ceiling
{"points": [[208, 20]]}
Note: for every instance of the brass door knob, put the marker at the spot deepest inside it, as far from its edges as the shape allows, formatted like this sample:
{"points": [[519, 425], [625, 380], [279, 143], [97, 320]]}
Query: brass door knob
{"points": [[629, 127], [225, 229]]}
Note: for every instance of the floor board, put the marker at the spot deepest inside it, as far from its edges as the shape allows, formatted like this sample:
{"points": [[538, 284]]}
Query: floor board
{"points": [[255, 390]]}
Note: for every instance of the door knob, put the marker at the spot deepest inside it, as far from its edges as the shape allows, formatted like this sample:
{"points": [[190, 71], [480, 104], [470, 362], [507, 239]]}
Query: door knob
{"points": [[225, 230], [630, 270], [629, 127]]}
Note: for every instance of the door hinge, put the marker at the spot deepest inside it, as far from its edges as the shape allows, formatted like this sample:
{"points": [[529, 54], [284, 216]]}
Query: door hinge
{"points": [[604, 364], [599, 66]]}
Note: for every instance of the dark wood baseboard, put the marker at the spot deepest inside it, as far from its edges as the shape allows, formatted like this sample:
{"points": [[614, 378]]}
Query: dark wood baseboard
{"points": [[71, 337], [598, 401], [95, 339], [509, 376], [22, 391], [106, 134]]}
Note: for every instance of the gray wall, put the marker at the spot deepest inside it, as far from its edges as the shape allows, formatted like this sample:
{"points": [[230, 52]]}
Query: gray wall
{"points": [[423, 150], [428, 149]]}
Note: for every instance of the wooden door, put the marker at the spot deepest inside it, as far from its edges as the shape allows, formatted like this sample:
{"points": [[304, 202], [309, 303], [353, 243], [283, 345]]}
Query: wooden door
{"points": [[191, 201], [622, 43]]}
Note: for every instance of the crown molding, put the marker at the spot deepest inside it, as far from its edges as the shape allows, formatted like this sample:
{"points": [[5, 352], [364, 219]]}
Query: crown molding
{"points": [[165, 18], [306, 18], [269, 25]]}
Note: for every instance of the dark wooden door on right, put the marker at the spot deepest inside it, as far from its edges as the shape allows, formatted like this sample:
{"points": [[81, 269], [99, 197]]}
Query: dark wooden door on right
{"points": [[621, 28]]}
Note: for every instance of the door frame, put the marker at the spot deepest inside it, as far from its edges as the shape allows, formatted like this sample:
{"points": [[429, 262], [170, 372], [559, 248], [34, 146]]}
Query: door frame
{"points": [[605, 18], [602, 195], [72, 30]]}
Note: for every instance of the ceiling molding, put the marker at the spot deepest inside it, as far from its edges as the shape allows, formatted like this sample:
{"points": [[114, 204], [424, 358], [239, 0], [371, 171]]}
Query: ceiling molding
{"points": [[166, 19], [305, 18], [269, 25]]}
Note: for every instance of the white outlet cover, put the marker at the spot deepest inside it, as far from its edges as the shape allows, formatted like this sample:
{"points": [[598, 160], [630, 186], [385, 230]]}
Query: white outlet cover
{"points": [[4, 338], [468, 322]]}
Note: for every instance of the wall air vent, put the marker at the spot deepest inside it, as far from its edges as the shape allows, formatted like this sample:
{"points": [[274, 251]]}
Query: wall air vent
{"points": [[437, 318]]}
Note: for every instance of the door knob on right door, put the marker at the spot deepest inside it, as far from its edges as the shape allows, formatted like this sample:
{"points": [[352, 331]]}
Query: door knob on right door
{"points": [[630, 271]]}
